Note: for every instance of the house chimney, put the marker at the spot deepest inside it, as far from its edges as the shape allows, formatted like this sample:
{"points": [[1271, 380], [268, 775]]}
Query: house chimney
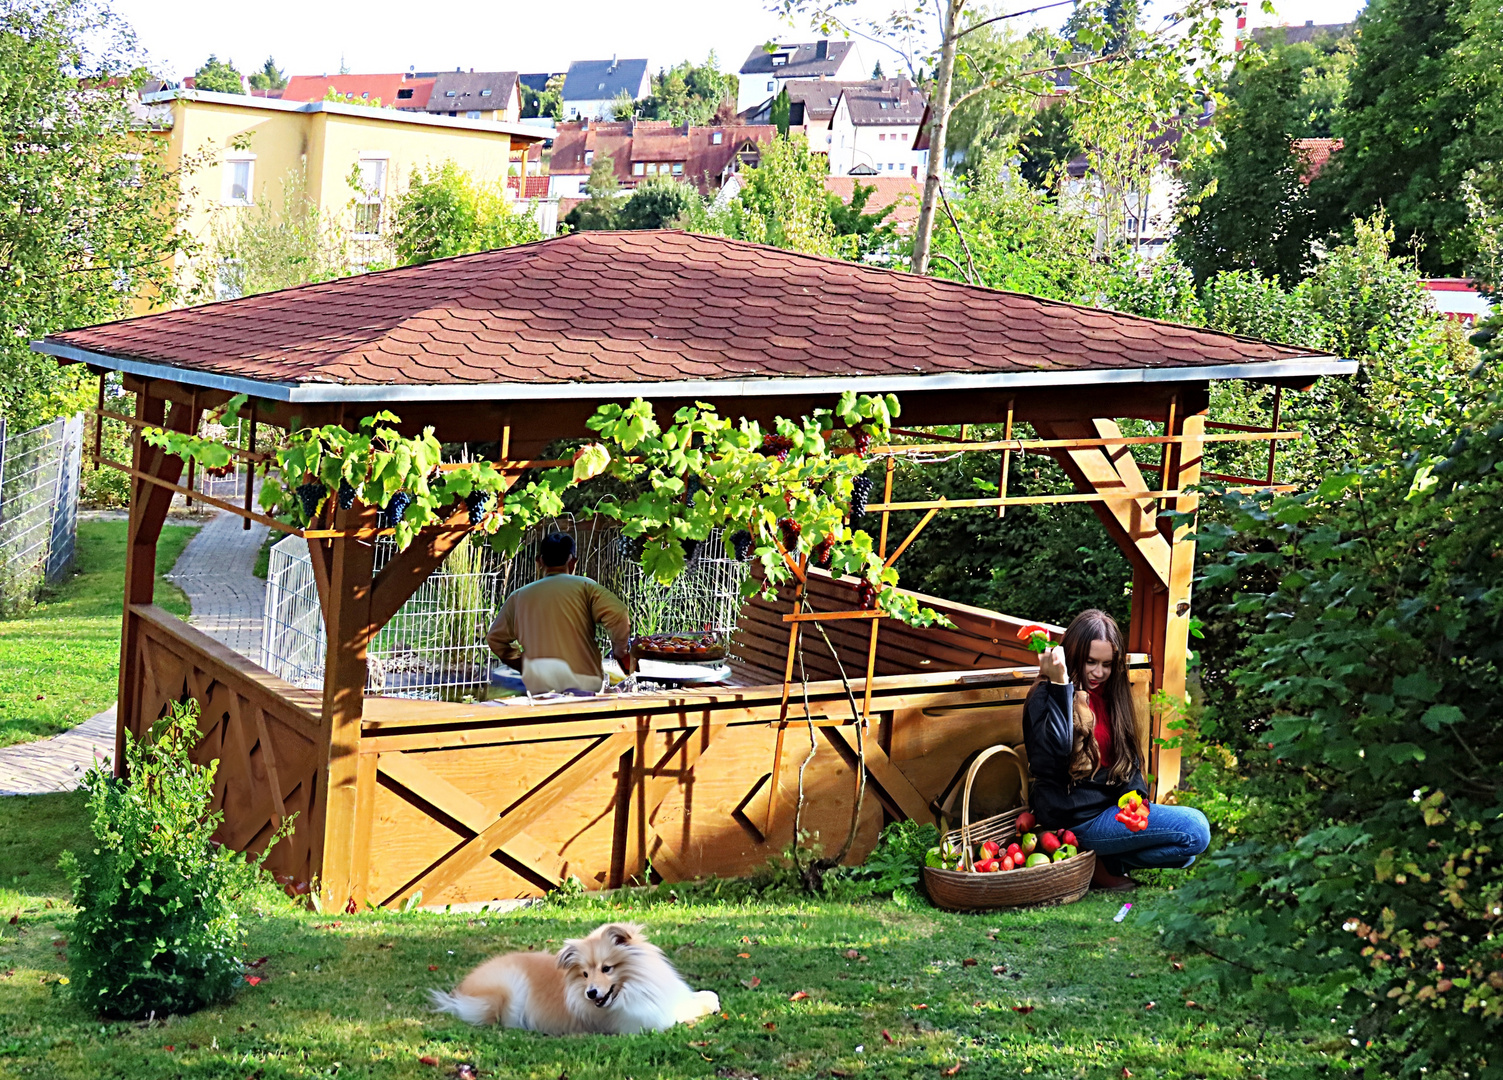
{"points": [[613, 63], [1309, 22], [822, 49]]}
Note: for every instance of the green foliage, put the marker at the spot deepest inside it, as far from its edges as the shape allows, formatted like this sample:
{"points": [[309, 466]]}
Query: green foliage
{"points": [[270, 77], [267, 246], [659, 202], [894, 868], [781, 112], [1411, 125], [446, 212], [1247, 207], [1048, 147], [1366, 708], [156, 928], [219, 76], [689, 93], [89, 210], [782, 202], [872, 232], [1157, 288], [547, 102], [1324, 66], [602, 208]]}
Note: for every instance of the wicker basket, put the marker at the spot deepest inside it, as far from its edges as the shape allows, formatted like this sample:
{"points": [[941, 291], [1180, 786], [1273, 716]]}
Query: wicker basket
{"points": [[964, 890]]}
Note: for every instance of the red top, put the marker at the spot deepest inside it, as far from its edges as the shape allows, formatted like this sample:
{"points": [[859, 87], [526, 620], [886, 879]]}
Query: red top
{"points": [[1103, 729]]}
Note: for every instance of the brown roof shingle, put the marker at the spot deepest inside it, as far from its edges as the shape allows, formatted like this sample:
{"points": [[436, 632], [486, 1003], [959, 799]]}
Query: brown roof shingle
{"points": [[644, 307]]}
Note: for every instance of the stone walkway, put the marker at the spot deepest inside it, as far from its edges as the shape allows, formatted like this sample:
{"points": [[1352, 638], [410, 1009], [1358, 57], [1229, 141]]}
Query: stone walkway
{"points": [[215, 571]]}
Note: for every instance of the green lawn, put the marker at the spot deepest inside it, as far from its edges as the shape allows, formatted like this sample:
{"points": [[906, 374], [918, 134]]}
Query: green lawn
{"points": [[60, 661], [346, 995]]}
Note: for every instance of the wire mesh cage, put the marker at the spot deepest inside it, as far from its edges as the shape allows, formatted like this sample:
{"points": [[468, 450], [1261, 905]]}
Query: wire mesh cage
{"points": [[434, 647]]}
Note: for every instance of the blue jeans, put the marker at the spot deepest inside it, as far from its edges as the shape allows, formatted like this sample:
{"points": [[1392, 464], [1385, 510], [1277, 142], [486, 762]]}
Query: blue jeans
{"points": [[1174, 836]]}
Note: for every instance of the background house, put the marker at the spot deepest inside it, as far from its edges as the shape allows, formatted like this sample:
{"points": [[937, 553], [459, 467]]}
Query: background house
{"points": [[406, 91], [811, 104], [703, 156], [476, 95], [874, 127], [348, 161], [766, 71], [592, 85]]}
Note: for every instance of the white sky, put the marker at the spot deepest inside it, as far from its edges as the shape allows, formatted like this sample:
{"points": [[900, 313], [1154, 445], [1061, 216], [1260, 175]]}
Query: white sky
{"points": [[382, 36]]}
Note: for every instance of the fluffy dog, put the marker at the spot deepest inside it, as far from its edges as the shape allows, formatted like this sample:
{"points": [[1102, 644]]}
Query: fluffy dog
{"points": [[613, 982]]}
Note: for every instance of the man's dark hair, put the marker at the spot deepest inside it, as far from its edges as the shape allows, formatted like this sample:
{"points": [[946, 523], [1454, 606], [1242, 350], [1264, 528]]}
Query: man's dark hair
{"points": [[556, 550]]}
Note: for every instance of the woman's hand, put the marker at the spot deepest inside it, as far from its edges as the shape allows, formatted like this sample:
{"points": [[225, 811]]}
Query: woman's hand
{"points": [[1052, 666]]}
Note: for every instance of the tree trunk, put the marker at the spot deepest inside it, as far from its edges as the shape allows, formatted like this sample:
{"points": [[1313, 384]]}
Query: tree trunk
{"points": [[939, 121]]}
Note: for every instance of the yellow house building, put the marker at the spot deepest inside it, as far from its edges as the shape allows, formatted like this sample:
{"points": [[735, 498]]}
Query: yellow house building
{"points": [[348, 161]]}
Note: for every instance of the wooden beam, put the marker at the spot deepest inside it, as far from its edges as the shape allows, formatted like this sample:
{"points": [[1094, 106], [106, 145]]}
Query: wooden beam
{"points": [[1176, 640], [349, 628], [897, 788], [1131, 520]]}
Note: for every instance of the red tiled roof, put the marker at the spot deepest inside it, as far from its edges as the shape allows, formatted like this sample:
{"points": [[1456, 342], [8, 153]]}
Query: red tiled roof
{"points": [[902, 193], [656, 141], [654, 307], [1313, 155], [375, 87]]}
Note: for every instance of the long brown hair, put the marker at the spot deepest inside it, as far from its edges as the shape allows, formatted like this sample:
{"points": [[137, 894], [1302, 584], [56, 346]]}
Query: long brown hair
{"points": [[1093, 625]]}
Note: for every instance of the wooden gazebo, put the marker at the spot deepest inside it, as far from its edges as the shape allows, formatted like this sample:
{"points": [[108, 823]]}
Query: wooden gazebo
{"points": [[517, 347]]}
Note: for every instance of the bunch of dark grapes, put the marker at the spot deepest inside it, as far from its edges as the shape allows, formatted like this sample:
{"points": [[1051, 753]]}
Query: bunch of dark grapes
{"points": [[866, 595], [692, 487], [824, 551], [311, 495], [861, 490], [741, 543], [862, 438], [691, 549], [777, 446], [346, 495], [478, 503], [791, 529], [395, 509]]}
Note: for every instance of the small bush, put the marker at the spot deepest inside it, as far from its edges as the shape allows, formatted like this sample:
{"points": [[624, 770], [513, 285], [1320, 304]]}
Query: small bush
{"points": [[156, 929], [894, 868]]}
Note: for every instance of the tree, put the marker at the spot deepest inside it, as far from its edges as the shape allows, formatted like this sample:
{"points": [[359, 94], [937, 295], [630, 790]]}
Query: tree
{"points": [[1049, 146], [218, 75], [547, 102], [658, 202], [782, 202], [623, 106], [1409, 126], [260, 248], [445, 212], [1324, 64], [89, 211], [1165, 73], [600, 209], [781, 111], [270, 77], [688, 93], [872, 232], [877, 71], [1247, 206]]}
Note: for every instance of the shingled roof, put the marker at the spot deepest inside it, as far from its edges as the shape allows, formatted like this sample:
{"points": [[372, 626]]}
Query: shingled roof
{"points": [[599, 314]]}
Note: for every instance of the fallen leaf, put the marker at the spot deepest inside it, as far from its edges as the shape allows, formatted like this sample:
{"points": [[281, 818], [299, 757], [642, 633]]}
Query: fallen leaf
{"points": [[798, 995], [706, 1042], [850, 954], [254, 980], [998, 969], [427, 1060], [386, 945], [770, 1026], [465, 1071], [41, 697], [743, 955], [1024, 1009], [862, 959], [1191, 1005], [969, 961], [258, 963], [752, 983], [1177, 966], [432, 967], [1126, 1072], [921, 1006], [952, 1070], [746, 941], [1151, 1005], [886, 1036]]}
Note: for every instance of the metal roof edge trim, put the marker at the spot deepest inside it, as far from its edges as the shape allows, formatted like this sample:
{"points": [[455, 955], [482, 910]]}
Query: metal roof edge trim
{"points": [[334, 393]]}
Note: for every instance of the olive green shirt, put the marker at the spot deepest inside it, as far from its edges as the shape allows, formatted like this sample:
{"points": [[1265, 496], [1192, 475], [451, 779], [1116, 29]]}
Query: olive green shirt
{"points": [[555, 617]]}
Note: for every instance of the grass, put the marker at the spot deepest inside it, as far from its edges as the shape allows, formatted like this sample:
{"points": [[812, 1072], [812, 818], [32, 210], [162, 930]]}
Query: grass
{"points": [[60, 661], [263, 555], [346, 995]]}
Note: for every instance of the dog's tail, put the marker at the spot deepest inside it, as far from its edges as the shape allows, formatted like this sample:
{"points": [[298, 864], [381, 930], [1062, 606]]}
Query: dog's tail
{"points": [[470, 1009]]}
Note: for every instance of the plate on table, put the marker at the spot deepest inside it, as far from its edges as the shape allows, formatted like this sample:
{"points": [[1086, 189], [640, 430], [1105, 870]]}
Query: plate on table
{"points": [[691, 648], [681, 672]]}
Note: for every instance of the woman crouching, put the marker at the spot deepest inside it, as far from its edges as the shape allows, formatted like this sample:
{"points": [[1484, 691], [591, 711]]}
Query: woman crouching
{"points": [[1083, 755]]}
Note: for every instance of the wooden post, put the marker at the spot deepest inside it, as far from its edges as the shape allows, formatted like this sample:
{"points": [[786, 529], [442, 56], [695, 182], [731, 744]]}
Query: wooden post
{"points": [[250, 468], [1175, 646], [148, 511], [347, 607]]}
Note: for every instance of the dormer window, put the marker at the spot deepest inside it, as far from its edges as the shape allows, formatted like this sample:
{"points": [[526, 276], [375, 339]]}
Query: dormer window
{"points": [[451, 93], [486, 92], [882, 104], [365, 95], [600, 87], [717, 138], [589, 157], [404, 94], [779, 59]]}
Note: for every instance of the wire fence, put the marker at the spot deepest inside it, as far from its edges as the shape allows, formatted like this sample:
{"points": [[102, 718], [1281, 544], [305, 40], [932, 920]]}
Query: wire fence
{"points": [[434, 647], [39, 477]]}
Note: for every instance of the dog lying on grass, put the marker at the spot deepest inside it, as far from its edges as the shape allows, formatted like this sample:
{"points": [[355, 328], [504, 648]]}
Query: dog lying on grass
{"points": [[613, 982]]}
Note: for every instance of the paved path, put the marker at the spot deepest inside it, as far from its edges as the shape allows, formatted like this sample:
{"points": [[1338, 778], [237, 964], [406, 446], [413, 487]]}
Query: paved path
{"points": [[215, 571]]}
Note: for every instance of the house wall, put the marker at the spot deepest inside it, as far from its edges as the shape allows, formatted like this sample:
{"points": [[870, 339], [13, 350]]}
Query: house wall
{"points": [[327, 145], [887, 148], [600, 108], [753, 90]]}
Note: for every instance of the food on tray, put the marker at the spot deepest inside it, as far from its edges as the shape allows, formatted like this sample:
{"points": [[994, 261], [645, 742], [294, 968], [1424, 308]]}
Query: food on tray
{"points": [[692, 648]]}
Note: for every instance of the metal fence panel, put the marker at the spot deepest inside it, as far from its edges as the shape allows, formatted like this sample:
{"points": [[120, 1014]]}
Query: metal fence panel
{"points": [[39, 480]]}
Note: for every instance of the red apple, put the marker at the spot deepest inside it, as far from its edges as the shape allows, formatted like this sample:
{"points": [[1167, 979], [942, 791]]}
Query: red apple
{"points": [[1007, 863], [1014, 851], [992, 849], [1029, 843], [1026, 822], [986, 866], [1049, 843], [1067, 837]]}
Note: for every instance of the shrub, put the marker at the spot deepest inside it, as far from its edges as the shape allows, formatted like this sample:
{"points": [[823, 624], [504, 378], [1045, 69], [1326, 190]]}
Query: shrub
{"points": [[894, 868], [156, 929], [657, 203]]}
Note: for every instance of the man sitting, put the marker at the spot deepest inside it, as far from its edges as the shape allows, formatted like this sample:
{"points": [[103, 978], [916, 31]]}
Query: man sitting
{"points": [[553, 621]]}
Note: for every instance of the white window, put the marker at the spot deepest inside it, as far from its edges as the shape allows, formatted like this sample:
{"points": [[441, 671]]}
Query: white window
{"points": [[485, 93], [772, 84], [239, 176], [717, 138], [370, 195], [473, 114], [637, 168], [589, 157], [451, 93], [780, 59], [882, 137], [678, 168]]}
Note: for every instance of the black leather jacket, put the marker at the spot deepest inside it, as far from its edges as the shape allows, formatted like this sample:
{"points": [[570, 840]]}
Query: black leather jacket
{"points": [[1057, 801]]}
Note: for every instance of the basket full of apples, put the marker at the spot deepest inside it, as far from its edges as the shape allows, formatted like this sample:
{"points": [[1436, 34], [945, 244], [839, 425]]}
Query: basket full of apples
{"points": [[1005, 860]]}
